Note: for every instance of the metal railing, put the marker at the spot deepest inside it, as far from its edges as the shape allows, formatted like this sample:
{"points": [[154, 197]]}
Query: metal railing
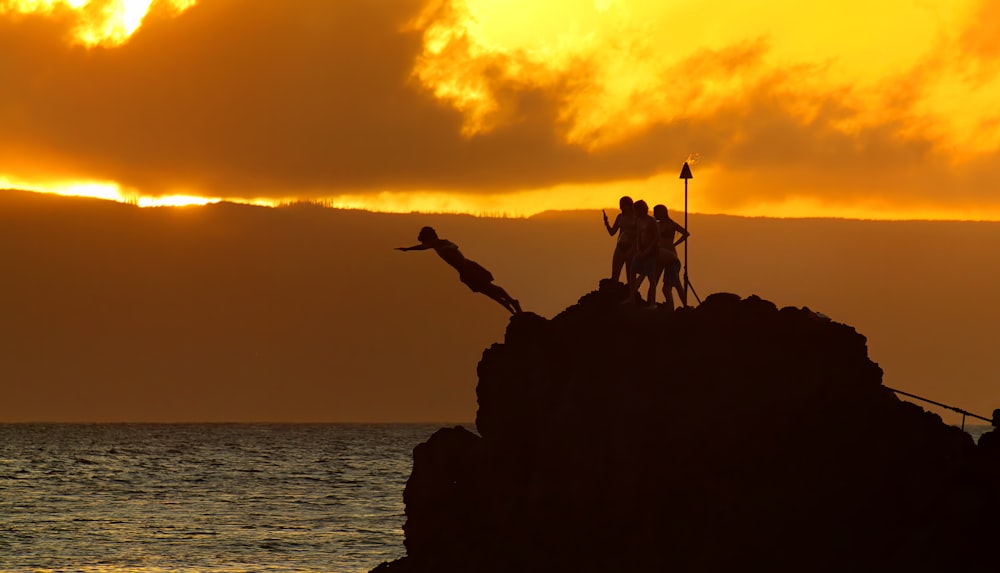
{"points": [[945, 406]]}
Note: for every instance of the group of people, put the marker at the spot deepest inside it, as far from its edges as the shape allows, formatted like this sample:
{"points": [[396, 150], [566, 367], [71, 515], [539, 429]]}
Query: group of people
{"points": [[647, 249]]}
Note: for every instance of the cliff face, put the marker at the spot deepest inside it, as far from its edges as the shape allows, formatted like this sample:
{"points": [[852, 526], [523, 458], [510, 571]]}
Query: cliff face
{"points": [[731, 436]]}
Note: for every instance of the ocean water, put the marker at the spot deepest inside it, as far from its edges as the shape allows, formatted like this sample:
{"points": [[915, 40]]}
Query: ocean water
{"points": [[205, 498], [125, 498]]}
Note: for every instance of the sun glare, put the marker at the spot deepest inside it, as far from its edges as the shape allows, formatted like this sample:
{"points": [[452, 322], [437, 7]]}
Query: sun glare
{"points": [[97, 22], [108, 191], [663, 188]]}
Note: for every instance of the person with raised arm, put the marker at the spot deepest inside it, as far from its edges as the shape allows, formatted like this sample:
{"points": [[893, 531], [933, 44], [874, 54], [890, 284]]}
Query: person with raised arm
{"points": [[624, 225], [471, 273]]}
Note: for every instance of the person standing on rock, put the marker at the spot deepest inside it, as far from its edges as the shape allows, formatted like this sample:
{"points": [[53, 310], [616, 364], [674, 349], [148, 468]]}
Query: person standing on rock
{"points": [[471, 273], [669, 263], [647, 253], [991, 441], [624, 225]]}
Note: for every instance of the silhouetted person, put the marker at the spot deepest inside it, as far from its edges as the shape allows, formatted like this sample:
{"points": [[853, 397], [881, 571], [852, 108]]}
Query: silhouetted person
{"points": [[471, 273], [647, 252], [669, 263], [991, 441], [624, 225]]}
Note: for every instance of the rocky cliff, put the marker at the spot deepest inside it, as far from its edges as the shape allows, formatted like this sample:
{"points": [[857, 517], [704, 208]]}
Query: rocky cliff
{"points": [[735, 436]]}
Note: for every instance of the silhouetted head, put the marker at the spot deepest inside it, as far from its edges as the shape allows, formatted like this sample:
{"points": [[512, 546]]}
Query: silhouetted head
{"points": [[996, 417], [427, 234], [625, 203], [641, 208], [661, 213]]}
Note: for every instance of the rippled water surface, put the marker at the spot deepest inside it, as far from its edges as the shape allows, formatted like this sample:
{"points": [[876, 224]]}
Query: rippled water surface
{"points": [[150, 498]]}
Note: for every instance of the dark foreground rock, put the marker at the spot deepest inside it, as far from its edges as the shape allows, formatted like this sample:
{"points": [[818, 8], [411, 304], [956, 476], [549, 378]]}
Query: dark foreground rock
{"points": [[734, 436]]}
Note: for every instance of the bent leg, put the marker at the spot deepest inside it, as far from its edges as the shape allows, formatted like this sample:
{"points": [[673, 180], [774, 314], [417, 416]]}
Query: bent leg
{"points": [[672, 280], [629, 272], [617, 261], [681, 293], [653, 281], [651, 294], [668, 284]]}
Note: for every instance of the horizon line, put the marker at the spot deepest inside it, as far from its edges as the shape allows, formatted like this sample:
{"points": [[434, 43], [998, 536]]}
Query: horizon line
{"points": [[192, 201]]}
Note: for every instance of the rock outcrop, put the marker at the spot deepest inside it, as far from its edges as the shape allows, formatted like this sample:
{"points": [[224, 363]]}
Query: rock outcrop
{"points": [[735, 436]]}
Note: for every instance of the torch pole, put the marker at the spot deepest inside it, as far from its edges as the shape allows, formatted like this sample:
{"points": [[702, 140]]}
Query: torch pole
{"points": [[685, 242], [685, 175]]}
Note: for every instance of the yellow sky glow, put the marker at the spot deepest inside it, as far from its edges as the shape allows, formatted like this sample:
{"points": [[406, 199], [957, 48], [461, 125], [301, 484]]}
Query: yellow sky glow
{"points": [[98, 22], [649, 62]]}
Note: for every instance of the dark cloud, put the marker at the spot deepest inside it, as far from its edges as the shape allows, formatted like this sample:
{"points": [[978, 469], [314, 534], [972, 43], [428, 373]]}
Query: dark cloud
{"points": [[266, 98], [235, 96]]}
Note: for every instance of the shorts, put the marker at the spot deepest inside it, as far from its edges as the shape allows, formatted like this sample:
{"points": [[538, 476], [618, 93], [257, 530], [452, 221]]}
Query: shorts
{"points": [[644, 266], [474, 276], [672, 272], [671, 264]]}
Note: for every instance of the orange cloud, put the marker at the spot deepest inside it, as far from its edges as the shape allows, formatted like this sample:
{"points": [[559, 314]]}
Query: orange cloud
{"points": [[501, 107]]}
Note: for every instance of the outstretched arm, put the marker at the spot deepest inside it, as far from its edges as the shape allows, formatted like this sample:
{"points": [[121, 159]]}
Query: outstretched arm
{"points": [[420, 247]]}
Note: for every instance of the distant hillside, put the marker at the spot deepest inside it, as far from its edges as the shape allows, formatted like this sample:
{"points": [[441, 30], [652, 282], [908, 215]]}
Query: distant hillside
{"points": [[234, 312]]}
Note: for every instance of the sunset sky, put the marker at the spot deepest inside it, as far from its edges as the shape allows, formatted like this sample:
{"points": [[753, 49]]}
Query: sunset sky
{"points": [[838, 109], [798, 120]]}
